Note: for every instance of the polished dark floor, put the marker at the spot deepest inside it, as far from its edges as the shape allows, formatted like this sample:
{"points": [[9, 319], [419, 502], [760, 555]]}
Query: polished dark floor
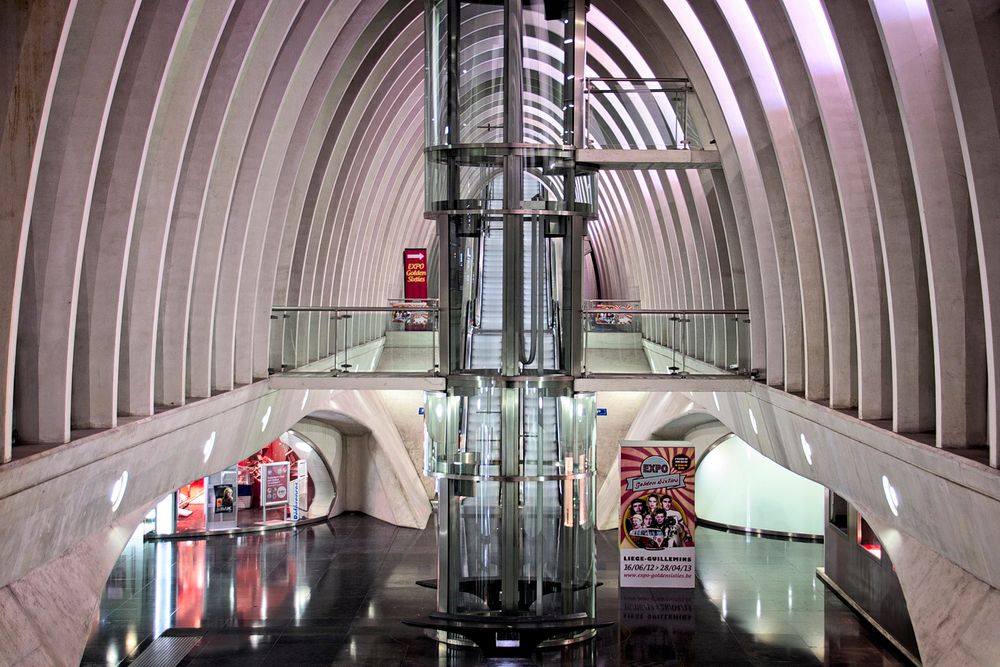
{"points": [[335, 593]]}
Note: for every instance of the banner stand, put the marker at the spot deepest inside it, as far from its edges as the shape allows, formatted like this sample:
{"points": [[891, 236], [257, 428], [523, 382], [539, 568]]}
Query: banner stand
{"points": [[273, 487], [656, 515]]}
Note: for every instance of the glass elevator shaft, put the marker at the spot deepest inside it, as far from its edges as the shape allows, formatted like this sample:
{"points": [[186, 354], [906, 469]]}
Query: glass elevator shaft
{"points": [[510, 443]]}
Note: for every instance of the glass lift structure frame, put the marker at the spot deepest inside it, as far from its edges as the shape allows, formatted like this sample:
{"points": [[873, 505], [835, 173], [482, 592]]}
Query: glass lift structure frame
{"points": [[511, 446]]}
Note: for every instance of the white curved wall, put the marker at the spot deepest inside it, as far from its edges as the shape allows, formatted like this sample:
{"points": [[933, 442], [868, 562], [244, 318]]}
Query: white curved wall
{"points": [[736, 485]]}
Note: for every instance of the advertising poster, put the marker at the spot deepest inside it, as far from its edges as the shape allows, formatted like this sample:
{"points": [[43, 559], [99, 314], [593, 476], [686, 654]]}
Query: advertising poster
{"points": [[412, 320], [225, 498], [656, 530], [415, 273], [303, 478], [274, 479], [294, 510]]}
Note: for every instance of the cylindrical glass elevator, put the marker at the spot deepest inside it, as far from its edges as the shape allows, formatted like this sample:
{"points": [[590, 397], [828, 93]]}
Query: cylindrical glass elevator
{"points": [[510, 443]]}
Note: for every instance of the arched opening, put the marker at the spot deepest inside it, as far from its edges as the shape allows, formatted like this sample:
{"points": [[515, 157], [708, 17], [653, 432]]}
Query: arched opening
{"points": [[175, 592], [285, 483], [858, 568], [759, 523], [741, 489]]}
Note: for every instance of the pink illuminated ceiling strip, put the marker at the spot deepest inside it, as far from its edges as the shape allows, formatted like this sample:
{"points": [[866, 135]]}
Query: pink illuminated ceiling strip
{"points": [[599, 21], [758, 59], [815, 37], [726, 97]]}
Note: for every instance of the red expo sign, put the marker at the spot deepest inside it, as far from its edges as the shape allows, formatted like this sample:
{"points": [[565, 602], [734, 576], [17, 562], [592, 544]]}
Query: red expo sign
{"points": [[415, 273]]}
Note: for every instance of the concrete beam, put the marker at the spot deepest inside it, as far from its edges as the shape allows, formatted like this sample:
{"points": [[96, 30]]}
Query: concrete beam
{"points": [[321, 381], [662, 383], [614, 158]]}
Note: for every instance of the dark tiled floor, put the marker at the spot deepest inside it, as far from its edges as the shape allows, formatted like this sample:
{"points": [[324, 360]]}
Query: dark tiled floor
{"points": [[336, 593]]}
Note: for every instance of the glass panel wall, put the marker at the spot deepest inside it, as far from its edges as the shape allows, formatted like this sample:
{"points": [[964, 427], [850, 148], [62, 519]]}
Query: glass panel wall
{"points": [[509, 443], [464, 85], [472, 179], [546, 553], [548, 74]]}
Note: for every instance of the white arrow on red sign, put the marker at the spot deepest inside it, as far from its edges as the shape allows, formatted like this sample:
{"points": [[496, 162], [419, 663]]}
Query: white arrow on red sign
{"points": [[415, 255]]}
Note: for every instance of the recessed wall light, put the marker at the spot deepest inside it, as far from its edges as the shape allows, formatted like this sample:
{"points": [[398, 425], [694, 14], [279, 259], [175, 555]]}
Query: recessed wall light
{"points": [[265, 419], [806, 448], [715, 397], [753, 421], [206, 449], [891, 496], [118, 490], [305, 397]]}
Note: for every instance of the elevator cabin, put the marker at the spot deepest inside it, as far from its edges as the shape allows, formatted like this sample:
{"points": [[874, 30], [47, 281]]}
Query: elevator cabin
{"points": [[509, 442]]}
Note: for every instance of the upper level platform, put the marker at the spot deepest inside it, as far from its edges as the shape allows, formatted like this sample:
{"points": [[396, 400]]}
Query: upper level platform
{"points": [[648, 158]]}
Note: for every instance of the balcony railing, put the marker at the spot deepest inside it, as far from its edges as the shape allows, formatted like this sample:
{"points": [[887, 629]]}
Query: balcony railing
{"points": [[401, 337], [633, 113], [620, 337]]}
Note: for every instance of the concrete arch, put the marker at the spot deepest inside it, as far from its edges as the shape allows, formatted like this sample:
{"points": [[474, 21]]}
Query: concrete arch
{"points": [[196, 40], [308, 95], [836, 115], [364, 470], [38, 32], [201, 209], [44, 589], [40, 612], [949, 608], [263, 80], [914, 56], [59, 216], [229, 157], [969, 35], [657, 413], [123, 159], [901, 242]]}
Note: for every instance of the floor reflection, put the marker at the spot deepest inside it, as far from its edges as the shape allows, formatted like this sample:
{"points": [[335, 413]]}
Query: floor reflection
{"points": [[336, 593]]}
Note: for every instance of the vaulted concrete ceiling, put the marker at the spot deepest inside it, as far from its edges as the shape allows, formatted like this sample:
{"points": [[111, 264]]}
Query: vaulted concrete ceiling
{"points": [[173, 169]]}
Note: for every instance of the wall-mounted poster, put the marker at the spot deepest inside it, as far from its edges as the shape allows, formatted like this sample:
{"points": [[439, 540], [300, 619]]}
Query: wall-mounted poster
{"points": [[274, 480], [656, 530], [225, 498]]}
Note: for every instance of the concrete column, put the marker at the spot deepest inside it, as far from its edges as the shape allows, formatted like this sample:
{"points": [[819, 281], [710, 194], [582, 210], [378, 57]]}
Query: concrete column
{"points": [[87, 76], [953, 613], [969, 33], [921, 88], [34, 43], [46, 614]]}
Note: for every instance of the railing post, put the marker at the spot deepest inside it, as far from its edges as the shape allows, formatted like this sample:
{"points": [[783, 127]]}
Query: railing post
{"points": [[336, 343]]}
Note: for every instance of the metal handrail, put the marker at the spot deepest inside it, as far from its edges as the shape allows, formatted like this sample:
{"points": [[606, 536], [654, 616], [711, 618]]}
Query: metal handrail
{"points": [[680, 85], [468, 334], [556, 332], [678, 338], [656, 311], [677, 89], [534, 343], [641, 79], [369, 328], [361, 309], [478, 276]]}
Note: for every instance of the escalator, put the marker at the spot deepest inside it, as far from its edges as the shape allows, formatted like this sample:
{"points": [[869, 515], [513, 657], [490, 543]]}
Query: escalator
{"points": [[486, 341], [539, 444]]}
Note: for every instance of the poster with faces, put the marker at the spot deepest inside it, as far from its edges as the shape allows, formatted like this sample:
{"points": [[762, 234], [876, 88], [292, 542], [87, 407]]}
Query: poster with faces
{"points": [[656, 515]]}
